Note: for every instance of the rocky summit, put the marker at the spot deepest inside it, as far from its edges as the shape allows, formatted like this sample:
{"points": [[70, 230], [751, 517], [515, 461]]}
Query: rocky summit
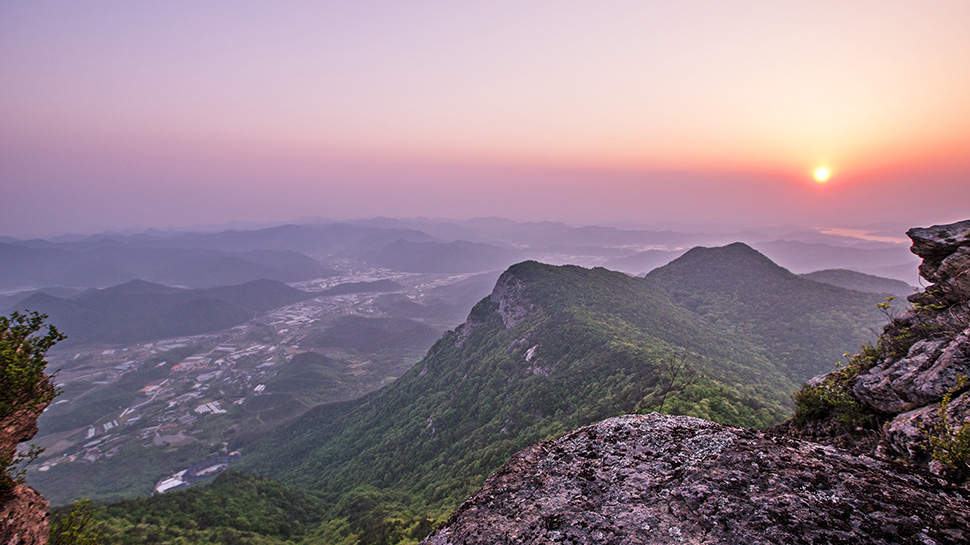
{"points": [[677, 479]]}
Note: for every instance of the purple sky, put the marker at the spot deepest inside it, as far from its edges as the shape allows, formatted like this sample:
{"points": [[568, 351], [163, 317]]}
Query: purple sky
{"points": [[137, 114]]}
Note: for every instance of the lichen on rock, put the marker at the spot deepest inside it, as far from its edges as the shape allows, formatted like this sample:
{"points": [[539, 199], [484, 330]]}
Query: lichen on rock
{"points": [[676, 479]]}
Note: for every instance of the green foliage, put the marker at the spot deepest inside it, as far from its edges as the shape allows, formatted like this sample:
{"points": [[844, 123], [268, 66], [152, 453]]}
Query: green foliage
{"points": [[897, 337], [948, 443], [234, 508], [23, 384], [77, 527], [832, 396]]}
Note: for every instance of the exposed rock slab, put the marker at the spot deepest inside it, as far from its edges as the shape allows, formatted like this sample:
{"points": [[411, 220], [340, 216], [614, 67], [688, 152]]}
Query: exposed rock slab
{"points": [[674, 479], [23, 517]]}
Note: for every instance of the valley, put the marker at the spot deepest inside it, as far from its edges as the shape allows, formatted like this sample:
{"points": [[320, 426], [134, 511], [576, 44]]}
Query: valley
{"points": [[176, 402]]}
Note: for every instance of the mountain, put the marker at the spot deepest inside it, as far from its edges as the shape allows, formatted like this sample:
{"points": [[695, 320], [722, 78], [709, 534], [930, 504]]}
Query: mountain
{"points": [[323, 239], [861, 282], [10, 301], [140, 311], [803, 325], [552, 348], [906, 396]]}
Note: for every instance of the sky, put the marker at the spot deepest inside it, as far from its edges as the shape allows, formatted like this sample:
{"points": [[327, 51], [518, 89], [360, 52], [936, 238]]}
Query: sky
{"points": [[120, 115]]}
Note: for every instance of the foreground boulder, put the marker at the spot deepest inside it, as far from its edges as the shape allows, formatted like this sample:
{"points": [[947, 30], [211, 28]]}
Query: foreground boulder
{"points": [[676, 479]]}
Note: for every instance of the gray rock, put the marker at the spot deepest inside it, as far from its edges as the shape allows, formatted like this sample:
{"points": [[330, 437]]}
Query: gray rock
{"points": [[899, 387], [512, 305], [674, 479]]}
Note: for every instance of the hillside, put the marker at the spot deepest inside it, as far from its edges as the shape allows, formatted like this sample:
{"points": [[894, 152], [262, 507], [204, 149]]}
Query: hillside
{"points": [[803, 325], [552, 348]]}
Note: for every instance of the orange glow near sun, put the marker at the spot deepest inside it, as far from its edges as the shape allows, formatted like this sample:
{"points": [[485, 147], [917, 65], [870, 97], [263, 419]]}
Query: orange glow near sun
{"points": [[822, 175]]}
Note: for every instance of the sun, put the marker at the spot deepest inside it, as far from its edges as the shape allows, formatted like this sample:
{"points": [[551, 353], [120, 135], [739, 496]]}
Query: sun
{"points": [[822, 175]]}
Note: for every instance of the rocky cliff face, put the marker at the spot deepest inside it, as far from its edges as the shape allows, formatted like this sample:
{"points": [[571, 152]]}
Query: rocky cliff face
{"points": [[23, 511], [909, 390], [666, 479]]}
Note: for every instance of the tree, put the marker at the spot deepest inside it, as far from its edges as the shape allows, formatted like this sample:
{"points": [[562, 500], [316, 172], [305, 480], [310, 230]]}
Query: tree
{"points": [[675, 374]]}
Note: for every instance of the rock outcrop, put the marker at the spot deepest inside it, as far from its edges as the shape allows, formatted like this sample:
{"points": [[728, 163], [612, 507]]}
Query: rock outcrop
{"points": [[512, 305], [23, 511], [923, 356], [676, 479]]}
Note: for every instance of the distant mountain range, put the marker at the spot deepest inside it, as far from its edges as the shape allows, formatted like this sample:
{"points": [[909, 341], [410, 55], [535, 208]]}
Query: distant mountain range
{"points": [[292, 253], [452, 257], [853, 280], [142, 311], [75, 266]]}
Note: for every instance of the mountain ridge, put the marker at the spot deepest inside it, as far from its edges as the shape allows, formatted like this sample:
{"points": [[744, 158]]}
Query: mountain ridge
{"points": [[550, 348]]}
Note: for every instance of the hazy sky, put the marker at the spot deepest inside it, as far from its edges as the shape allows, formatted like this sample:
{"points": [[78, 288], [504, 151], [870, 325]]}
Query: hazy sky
{"points": [[159, 113]]}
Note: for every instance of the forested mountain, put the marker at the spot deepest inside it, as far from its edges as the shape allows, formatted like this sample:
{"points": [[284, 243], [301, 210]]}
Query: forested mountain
{"points": [[554, 348], [140, 311], [803, 326]]}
